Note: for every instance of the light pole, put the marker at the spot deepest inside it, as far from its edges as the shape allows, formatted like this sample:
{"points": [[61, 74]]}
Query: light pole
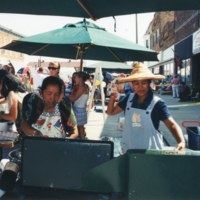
{"points": [[136, 28]]}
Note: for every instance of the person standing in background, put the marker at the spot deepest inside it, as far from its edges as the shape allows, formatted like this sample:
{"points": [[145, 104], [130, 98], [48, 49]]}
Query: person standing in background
{"points": [[40, 70], [54, 69], [79, 98], [39, 76], [175, 86], [127, 88], [28, 83], [9, 86], [184, 92]]}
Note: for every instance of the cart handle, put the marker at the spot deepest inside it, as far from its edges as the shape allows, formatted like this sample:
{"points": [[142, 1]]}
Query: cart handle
{"points": [[190, 121]]}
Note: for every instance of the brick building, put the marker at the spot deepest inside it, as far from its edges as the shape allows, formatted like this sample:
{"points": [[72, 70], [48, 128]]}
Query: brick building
{"points": [[172, 35], [6, 36]]}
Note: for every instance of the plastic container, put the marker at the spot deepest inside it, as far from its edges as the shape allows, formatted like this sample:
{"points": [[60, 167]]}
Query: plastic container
{"points": [[193, 138]]}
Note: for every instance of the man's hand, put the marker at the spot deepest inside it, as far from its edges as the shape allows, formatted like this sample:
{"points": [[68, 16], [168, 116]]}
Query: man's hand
{"points": [[180, 146]]}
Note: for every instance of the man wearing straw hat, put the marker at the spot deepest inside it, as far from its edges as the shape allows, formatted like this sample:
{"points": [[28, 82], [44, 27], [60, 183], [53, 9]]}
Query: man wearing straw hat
{"points": [[143, 113]]}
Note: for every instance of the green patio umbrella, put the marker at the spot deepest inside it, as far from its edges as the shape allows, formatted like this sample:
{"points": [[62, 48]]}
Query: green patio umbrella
{"points": [[82, 40], [94, 9]]}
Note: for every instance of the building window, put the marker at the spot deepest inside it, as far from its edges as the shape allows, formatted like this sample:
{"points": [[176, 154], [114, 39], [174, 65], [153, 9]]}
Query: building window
{"points": [[185, 70], [168, 69]]}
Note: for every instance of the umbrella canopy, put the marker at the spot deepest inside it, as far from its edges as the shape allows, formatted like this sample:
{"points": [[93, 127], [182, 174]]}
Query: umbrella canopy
{"points": [[83, 39], [94, 9]]}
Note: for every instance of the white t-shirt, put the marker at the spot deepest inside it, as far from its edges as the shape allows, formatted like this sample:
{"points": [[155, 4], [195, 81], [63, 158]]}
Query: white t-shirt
{"points": [[37, 80], [5, 108]]}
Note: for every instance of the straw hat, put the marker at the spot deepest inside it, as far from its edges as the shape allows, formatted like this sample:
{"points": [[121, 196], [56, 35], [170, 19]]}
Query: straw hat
{"points": [[140, 72]]}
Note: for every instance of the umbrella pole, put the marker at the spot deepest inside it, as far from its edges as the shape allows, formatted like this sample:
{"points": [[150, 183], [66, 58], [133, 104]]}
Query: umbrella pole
{"points": [[86, 9], [81, 64], [81, 59]]}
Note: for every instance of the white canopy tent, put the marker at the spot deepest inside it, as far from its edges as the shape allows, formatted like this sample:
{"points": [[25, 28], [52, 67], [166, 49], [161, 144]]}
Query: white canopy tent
{"points": [[116, 67]]}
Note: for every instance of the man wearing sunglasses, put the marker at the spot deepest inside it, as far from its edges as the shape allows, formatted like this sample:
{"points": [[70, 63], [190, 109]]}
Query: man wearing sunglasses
{"points": [[54, 69]]}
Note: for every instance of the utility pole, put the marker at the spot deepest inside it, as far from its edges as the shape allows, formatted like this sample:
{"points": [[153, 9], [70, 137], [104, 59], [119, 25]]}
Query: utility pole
{"points": [[136, 28]]}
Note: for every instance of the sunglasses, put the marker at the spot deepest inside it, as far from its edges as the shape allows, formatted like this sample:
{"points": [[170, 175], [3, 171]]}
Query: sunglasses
{"points": [[52, 68]]}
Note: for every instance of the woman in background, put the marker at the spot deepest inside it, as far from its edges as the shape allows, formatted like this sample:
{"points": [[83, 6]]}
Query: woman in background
{"points": [[175, 86], [79, 97], [9, 85]]}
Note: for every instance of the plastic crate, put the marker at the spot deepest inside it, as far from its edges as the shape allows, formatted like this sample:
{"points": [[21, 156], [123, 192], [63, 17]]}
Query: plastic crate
{"points": [[193, 133], [193, 138]]}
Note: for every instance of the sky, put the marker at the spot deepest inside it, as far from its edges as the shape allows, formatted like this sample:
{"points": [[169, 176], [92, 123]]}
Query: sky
{"points": [[33, 24]]}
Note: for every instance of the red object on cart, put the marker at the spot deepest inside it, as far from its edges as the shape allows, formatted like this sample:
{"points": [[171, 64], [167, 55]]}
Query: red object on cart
{"points": [[193, 131]]}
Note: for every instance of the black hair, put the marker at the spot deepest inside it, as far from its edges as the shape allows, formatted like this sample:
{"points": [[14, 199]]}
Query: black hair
{"points": [[74, 74], [9, 68], [91, 76], [10, 83], [85, 76], [40, 69], [52, 80]]}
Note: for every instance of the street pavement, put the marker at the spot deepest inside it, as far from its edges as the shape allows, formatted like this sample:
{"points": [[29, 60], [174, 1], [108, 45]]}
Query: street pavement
{"points": [[98, 128]]}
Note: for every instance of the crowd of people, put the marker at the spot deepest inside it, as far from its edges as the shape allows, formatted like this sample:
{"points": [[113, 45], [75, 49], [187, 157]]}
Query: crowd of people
{"points": [[46, 110], [177, 87], [49, 111]]}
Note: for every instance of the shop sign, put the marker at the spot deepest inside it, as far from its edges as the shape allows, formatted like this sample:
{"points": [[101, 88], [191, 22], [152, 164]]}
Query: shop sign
{"points": [[196, 42]]}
